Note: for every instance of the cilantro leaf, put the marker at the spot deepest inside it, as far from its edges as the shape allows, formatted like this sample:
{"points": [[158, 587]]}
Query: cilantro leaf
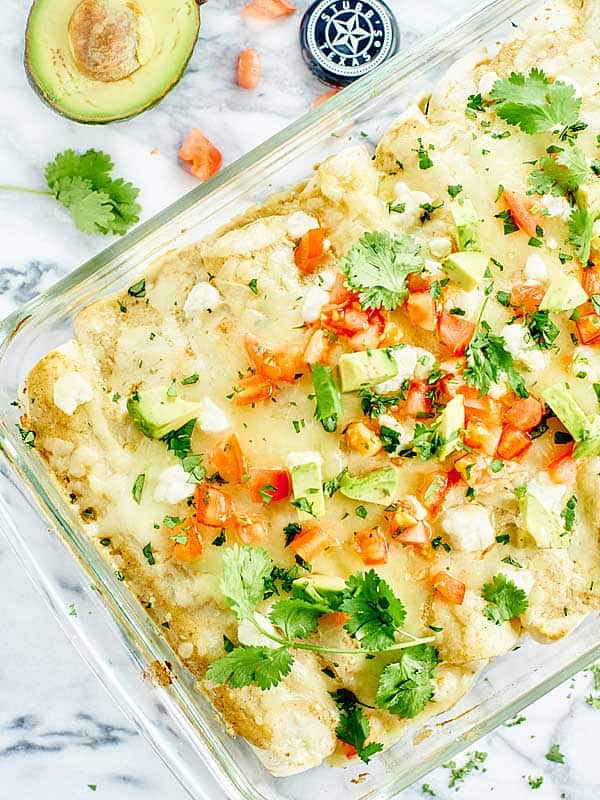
{"points": [[244, 571], [377, 267], [506, 600], [97, 202], [564, 173], [581, 224], [180, 440], [487, 357], [354, 727], [406, 686], [375, 612], [297, 618], [375, 404], [534, 104], [426, 442], [542, 330], [243, 666]]}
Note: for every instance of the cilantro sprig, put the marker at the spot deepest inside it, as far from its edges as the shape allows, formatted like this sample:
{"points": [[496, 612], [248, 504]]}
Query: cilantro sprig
{"points": [[354, 727], [505, 600], [407, 686], [375, 617], [534, 104], [83, 184], [377, 267], [563, 173]]}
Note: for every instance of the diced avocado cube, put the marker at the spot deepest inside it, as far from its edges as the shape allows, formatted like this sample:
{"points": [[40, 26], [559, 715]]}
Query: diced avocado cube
{"points": [[326, 589], [451, 422], [156, 414], [366, 368], [540, 527], [564, 293], [568, 410], [588, 196], [307, 486], [468, 224], [380, 486], [466, 269], [591, 445]]}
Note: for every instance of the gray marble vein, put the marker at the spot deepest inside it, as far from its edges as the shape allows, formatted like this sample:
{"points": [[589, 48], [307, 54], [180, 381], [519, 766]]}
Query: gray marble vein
{"points": [[59, 731]]}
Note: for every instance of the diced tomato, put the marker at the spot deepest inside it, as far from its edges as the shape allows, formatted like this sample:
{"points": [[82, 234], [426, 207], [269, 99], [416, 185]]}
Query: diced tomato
{"points": [[252, 389], [392, 334], [201, 154], [276, 365], [524, 413], [248, 69], [310, 542], [520, 206], [482, 437], [194, 546], [417, 534], [348, 749], [455, 332], [339, 293], [588, 328], [525, 298], [421, 310], [361, 438], [418, 282], [249, 529], [433, 491], [229, 460], [322, 98], [406, 513], [590, 280], [269, 485], [213, 506], [318, 348], [451, 589], [482, 409], [335, 618], [367, 340], [513, 443], [345, 319], [268, 9], [309, 253], [563, 469], [372, 546], [417, 401]]}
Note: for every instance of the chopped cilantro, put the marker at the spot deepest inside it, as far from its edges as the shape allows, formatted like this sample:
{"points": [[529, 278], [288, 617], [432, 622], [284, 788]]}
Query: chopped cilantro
{"points": [[455, 190], [138, 488], [555, 755], [505, 600], [148, 554], [138, 289]]}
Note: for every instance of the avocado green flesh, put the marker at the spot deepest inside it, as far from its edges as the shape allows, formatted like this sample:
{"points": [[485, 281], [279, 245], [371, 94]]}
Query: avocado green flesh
{"points": [[366, 368], [156, 414], [54, 73], [307, 483], [541, 528], [379, 486]]}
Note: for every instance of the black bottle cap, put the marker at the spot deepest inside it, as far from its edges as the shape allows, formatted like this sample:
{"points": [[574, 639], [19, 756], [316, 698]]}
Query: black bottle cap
{"points": [[342, 40]]}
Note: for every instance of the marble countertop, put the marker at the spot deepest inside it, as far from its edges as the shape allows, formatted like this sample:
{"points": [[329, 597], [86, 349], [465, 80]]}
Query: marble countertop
{"points": [[60, 734]]}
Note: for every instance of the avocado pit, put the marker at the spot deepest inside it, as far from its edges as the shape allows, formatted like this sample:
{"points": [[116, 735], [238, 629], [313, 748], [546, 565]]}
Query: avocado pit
{"points": [[110, 39]]}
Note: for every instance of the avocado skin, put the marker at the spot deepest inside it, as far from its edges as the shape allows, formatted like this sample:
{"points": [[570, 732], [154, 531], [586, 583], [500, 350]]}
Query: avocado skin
{"points": [[54, 104]]}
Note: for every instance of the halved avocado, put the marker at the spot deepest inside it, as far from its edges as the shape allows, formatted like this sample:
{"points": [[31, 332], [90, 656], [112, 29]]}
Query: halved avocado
{"points": [[100, 60]]}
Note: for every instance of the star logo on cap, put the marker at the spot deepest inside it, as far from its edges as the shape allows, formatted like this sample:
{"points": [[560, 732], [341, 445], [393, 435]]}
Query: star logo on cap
{"points": [[350, 35]]}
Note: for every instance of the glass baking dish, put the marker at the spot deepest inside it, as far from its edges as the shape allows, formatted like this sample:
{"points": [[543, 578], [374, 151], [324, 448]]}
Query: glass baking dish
{"points": [[117, 637]]}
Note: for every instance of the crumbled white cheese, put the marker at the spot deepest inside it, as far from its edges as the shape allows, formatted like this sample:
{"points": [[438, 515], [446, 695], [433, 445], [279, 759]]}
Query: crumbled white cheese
{"points": [[522, 348], [550, 495], [251, 637], [551, 243], [326, 279], [468, 528], [586, 362], [522, 578], [556, 206], [570, 82], [202, 297], [433, 268], [186, 649], [440, 246], [413, 362], [210, 418], [412, 201], [71, 390], [300, 223], [298, 457], [469, 301], [314, 300], [173, 486], [486, 82], [536, 269]]}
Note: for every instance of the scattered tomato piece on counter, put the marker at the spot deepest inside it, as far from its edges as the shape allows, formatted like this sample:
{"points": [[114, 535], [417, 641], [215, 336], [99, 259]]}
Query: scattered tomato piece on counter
{"points": [[269, 485], [323, 98], [372, 546], [309, 253], [268, 9], [193, 546], [248, 69], [449, 588], [310, 542], [204, 158], [229, 460]]}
